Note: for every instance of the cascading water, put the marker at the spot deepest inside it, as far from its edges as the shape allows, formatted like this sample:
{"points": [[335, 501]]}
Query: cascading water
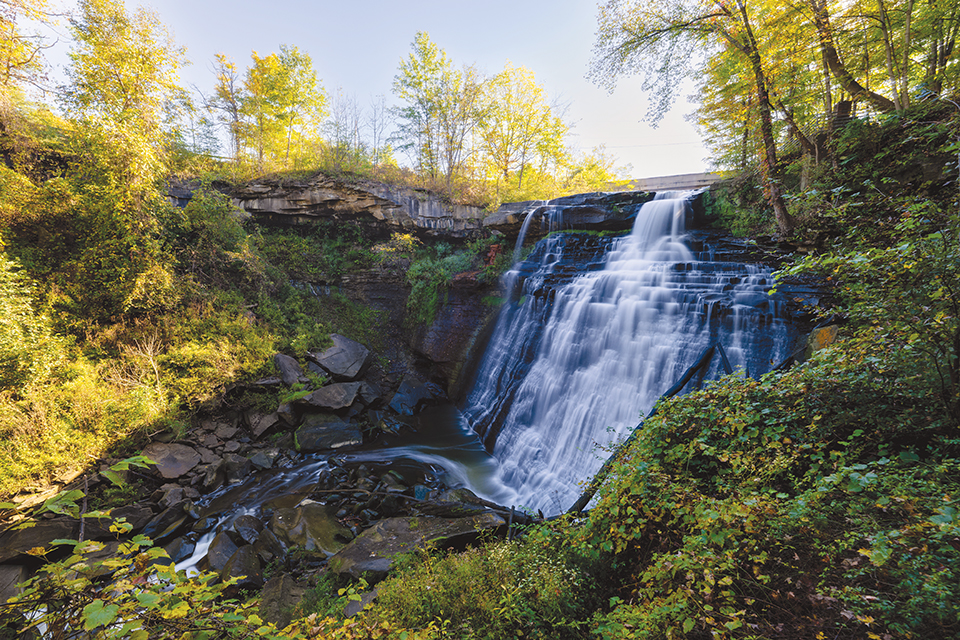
{"points": [[574, 361]]}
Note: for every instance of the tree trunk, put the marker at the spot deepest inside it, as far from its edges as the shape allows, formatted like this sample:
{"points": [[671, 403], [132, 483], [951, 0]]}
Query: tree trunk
{"points": [[771, 171], [821, 20]]}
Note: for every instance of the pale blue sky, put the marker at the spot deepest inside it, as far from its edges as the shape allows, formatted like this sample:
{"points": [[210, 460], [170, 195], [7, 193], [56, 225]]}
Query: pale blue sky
{"points": [[358, 44]]}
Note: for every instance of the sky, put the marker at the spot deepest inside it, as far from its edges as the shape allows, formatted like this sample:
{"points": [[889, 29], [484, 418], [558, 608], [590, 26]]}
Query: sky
{"points": [[357, 45]]}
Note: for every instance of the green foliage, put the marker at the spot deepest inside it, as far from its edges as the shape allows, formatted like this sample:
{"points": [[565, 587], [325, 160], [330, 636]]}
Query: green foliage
{"points": [[28, 349], [535, 588], [429, 277], [147, 598], [904, 299]]}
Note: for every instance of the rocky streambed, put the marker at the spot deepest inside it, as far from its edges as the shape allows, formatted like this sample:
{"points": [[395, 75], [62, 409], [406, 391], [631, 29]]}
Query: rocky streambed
{"points": [[340, 477]]}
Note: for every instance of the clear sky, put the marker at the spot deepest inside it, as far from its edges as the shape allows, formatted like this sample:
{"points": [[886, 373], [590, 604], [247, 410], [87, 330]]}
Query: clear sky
{"points": [[357, 45]]}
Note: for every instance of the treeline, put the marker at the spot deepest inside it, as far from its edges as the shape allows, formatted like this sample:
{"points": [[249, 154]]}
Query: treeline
{"points": [[479, 137], [774, 71]]}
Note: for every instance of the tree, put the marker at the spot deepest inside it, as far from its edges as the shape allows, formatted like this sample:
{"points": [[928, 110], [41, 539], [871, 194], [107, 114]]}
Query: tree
{"points": [[227, 102], [282, 101], [124, 69], [519, 128], [660, 38], [20, 51], [440, 112]]}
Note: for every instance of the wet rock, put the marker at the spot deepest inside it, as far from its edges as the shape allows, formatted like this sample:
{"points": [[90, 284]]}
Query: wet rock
{"points": [[332, 397], [289, 368], [325, 432], [345, 360], [137, 516], [222, 548], [268, 546], [311, 526], [10, 576], [244, 565], [371, 554], [167, 522], [236, 467], [261, 423], [279, 598], [412, 394], [180, 548], [173, 460], [14, 542], [248, 528]]}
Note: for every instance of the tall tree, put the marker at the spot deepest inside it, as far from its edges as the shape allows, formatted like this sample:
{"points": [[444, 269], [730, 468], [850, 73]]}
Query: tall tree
{"points": [[441, 108], [282, 101], [419, 84], [124, 69], [659, 39], [20, 50], [227, 102], [519, 128]]}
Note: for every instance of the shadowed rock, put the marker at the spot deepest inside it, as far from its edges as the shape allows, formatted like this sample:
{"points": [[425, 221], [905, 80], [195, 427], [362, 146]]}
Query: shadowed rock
{"points": [[372, 553], [332, 397], [173, 460], [311, 526], [289, 368], [345, 360], [326, 432]]}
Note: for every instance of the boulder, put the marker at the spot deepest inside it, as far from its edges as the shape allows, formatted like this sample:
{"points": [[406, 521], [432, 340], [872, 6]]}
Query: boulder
{"points": [[310, 526], [332, 397], [325, 432], [260, 423], [345, 360], [14, 542], [248, 528], [289, 368], [11, 575], [412, 394], [279, 598], [173, 460], [268, 546], [180, 549], [244, 565], [220, 551], [167, 522], [236, 467], [371, 554]]}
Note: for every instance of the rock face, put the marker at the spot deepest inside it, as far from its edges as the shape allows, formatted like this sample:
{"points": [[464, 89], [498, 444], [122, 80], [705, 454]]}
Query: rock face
{"points": [[374, 205], [385, 209]]}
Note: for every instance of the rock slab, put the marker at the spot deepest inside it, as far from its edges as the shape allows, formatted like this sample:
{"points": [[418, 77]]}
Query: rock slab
{"points": [[173, 460], [371, 554]]}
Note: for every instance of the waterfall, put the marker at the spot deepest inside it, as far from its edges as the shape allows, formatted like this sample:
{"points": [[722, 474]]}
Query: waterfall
{"points": [[577, 358]]}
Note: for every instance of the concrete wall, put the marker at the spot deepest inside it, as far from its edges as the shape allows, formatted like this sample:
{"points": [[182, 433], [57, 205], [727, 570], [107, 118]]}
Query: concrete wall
{"points": [[676, 183]]}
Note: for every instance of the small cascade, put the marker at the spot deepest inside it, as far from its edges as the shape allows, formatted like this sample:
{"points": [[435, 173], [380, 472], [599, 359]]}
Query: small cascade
{"points": [[551, 219], [577, 358]]}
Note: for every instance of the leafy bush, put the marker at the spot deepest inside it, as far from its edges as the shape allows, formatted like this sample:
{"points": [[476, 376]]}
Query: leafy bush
{"points": [[533, 588]]}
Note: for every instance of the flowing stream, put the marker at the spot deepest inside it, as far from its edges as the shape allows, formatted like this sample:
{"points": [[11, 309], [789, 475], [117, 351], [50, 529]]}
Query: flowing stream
{"points": [[576, 360]]}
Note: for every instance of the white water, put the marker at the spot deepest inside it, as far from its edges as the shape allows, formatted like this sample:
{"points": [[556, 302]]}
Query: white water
{"points": [[561, 379]]}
